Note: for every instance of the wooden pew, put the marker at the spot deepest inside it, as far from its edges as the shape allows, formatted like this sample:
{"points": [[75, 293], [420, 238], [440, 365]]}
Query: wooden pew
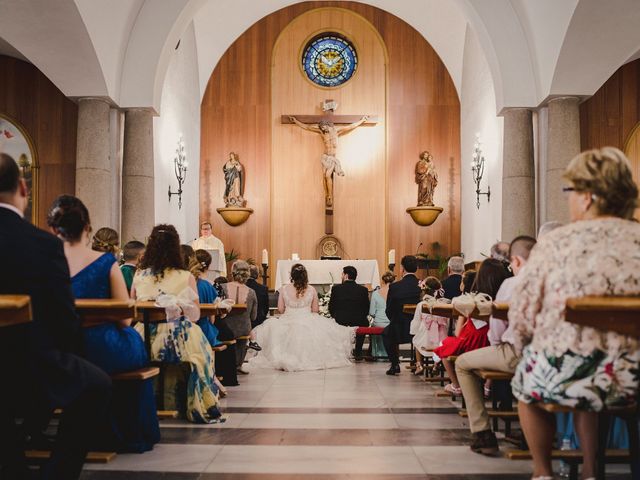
{"points": [[14, 310], [616, 314], [621, 315]]}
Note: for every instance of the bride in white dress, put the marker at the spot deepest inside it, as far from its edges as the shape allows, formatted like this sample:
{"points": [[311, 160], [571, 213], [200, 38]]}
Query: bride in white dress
{"points": [[301, 339]]}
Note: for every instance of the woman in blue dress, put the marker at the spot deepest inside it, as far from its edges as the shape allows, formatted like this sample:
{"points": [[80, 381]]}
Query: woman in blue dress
{"points": [[114, 347], [206, 294], [377, 311]]}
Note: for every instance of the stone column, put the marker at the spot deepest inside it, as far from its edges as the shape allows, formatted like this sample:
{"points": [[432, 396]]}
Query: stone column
{"points": [[137, 176], [563, 143], [93, 165], [518, 175]]}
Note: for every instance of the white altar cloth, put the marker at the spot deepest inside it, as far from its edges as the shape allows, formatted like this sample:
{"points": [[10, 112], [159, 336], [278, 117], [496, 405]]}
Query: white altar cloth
{"points": [[321, 271]]}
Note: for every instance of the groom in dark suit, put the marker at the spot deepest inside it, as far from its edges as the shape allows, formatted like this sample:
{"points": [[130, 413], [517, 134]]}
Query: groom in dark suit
{"points": [[400, 293], [349, 305], [39, 364]]}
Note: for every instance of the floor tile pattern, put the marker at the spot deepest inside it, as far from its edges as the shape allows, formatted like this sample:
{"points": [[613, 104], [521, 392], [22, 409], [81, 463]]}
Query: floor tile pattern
{"points": [[350, 423]]}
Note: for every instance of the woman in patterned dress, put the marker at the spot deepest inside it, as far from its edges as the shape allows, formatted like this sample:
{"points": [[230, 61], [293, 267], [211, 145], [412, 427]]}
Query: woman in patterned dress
{"points": [[563, 363], [179, 340]]}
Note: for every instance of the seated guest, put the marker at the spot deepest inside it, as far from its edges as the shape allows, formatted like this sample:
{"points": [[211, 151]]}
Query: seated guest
{"points": [[238, 323], [451, 284], [349, 305], [106, 240], [468, 279], [471, 333], [131, 254], [428, 330], [563, 363], [114, 347], [217, 284], [206, 294], [499, 356], [161, 271], [39, 361], [262, 293], [500, 251], [406, 291], [377, 311]]}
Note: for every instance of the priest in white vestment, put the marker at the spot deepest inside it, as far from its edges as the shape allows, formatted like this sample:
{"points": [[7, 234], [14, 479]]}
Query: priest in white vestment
{"points": [[208, 241]]}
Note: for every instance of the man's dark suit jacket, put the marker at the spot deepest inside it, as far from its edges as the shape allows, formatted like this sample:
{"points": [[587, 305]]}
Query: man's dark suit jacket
{"points": [[33, 263], [405, 291], [38, 360], [451, 286], [349, 304], [262, 292]]}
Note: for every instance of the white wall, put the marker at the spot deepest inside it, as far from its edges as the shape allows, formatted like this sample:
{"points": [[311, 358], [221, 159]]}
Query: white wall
{"points": [[180, 114], [480, 228]]}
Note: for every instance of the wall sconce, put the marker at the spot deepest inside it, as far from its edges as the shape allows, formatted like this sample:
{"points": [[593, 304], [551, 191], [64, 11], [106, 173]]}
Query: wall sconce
{"points": [[477, 167], [180, 165]]}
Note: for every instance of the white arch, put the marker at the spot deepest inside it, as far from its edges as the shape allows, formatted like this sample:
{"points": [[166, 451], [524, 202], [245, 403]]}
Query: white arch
{"points": [[600, 38], [53, 36], [440, 23], [156, 32], [502, 37]]}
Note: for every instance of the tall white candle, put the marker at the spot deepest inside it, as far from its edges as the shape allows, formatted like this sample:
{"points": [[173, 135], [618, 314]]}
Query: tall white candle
{"points": [[265, 256], [392, 256]]}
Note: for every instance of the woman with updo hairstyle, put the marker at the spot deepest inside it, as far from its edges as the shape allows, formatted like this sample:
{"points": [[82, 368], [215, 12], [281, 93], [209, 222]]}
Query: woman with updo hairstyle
{"points": [[238, 322], [299, 279], [206, 293], [114, 347], [377, 308], [106, 240], [301, 338], [162, 271], [564, 363]]}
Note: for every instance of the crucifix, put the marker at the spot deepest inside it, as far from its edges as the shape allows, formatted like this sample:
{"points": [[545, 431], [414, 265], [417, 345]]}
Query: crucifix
{"points": [[325, 126]]}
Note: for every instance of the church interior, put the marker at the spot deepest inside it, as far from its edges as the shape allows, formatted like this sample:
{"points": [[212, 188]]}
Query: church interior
{"points": [[244, 167]]}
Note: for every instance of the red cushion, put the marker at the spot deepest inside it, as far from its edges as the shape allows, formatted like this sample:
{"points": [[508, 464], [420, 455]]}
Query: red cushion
{"points": [[369, 330]]}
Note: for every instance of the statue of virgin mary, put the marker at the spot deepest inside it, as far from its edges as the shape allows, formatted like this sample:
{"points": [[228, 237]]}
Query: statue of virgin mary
{"points": [[234, 182]]}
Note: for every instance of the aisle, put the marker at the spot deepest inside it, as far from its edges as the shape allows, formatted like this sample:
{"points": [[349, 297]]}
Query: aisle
{"points": [[324, 424]]}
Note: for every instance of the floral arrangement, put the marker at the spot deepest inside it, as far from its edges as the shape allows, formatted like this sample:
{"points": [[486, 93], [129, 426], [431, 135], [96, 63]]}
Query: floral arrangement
{"points": [[323, 302]]}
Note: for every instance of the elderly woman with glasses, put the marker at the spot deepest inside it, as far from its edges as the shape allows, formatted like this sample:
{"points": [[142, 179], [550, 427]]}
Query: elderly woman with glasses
{"points": [[598, 253]]}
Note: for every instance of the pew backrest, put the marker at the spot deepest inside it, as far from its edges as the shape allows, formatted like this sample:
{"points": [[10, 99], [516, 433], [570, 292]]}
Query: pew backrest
{"points": [[617, 314], [14, 310]]}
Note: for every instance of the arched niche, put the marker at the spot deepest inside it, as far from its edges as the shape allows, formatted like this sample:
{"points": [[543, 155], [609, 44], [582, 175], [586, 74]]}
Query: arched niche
{"points": [[632, 151]]}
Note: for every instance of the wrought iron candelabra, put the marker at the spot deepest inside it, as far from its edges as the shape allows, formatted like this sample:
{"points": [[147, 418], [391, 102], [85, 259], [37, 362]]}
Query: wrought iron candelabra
{"points": [[180, 165], [477, 167]]}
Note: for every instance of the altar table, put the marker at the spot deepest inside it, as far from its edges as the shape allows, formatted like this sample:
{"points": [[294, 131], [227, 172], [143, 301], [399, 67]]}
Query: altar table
{"points": [[325, 272]]}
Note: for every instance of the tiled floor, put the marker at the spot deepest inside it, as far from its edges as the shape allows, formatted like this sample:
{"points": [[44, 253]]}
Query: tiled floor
{"points": [[349, 423]]}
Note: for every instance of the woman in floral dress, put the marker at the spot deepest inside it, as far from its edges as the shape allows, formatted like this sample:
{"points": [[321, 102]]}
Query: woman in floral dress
{"points": [[563, 363], [162, 277]]}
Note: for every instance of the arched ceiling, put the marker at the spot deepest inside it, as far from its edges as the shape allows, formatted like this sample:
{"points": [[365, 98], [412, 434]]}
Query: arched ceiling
{"points": [[601, 37], [121, 48], [53, 36], [440, 23]]}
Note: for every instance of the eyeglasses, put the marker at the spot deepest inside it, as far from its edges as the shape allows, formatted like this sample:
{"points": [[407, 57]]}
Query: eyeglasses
{"points": [[574, 189]]}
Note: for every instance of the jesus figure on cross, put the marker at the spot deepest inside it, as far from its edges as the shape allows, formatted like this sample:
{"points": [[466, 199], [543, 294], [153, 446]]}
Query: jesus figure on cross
{"points": [[330, 163]]}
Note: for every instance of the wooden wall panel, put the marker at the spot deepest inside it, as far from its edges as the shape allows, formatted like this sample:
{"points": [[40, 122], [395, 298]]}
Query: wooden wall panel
{"points": [[611, 117], [423, 113], [51, 120], [297, 194]]}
